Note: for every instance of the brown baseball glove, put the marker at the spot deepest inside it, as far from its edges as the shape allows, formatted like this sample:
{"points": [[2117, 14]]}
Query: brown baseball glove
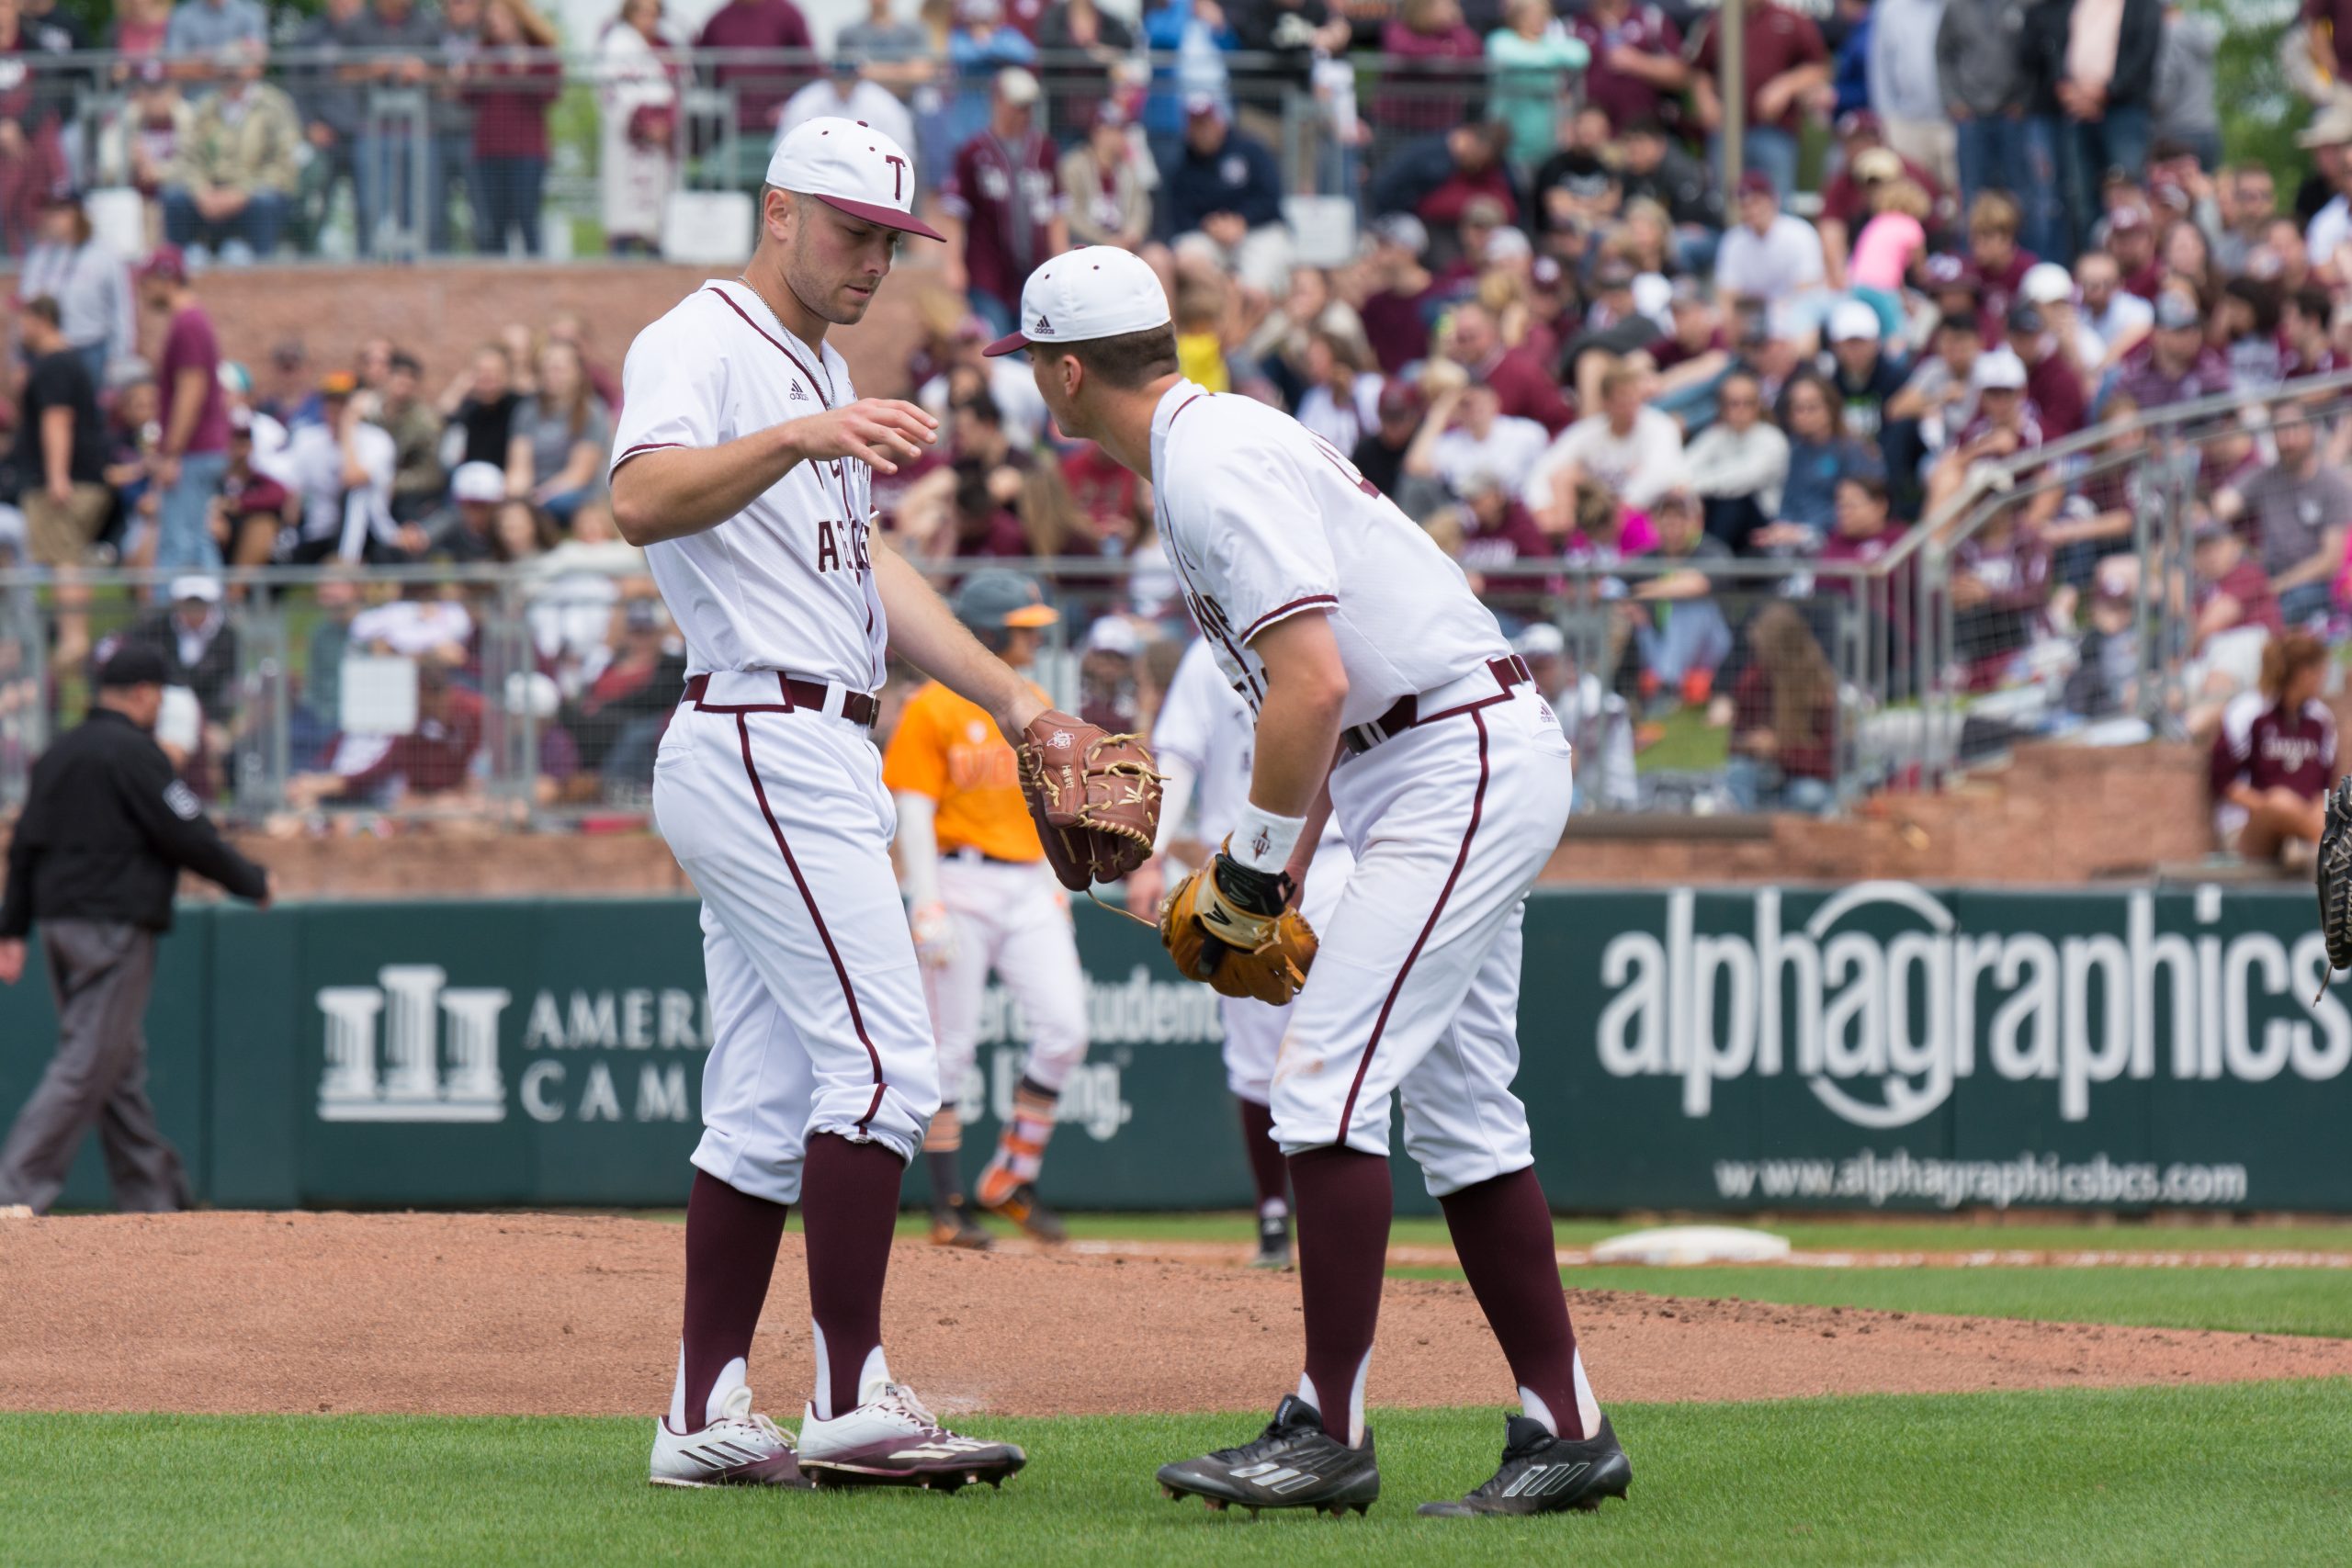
{"points": [[1215, 937], [1094, 797]]}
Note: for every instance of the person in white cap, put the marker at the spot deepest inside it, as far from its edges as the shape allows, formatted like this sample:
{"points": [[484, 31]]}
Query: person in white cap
{"points": [[743, 463], [1002, 201], [1353, 636]]}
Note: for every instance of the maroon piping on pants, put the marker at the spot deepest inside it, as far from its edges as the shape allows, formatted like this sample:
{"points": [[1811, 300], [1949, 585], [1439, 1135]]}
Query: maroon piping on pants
{"points": [[1477, 806], [841, 970]]}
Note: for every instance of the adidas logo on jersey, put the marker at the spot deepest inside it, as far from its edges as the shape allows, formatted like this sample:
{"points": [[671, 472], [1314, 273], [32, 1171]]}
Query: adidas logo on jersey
{"points": [[1543, 1480], [798, 396]]}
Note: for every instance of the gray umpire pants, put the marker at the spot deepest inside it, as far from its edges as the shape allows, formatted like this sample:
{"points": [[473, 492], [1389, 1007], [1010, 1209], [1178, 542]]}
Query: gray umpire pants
{"points": [[100, 971]]}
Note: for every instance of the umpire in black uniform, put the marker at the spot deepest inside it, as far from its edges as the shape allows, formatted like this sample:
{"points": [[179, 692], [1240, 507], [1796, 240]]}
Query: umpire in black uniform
{"points": [[95, 857]]}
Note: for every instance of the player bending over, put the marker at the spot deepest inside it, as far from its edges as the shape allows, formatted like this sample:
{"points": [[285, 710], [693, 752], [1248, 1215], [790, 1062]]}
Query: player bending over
{"points": [[1354, 637]]}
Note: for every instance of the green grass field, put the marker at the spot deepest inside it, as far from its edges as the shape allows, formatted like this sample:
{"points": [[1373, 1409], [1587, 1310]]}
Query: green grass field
{"points": [[2243, 1473]]}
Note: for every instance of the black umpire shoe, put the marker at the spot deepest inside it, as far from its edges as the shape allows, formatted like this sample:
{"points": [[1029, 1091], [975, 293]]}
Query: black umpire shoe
{"points": [[1273, 1242], [1544, 1474], [1293, 1464]]}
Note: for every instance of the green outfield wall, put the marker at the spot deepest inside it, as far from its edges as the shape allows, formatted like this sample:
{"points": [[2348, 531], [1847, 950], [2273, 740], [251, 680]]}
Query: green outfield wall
{"points": [[1882, 1045]]}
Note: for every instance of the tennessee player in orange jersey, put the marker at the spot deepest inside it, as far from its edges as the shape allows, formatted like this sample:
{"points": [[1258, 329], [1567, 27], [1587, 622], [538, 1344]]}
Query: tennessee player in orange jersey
{"points": [[980, 896]]}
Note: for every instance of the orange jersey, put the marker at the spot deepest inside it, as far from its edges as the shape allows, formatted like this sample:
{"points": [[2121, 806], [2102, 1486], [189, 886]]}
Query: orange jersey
{"points": [[950, 749]]}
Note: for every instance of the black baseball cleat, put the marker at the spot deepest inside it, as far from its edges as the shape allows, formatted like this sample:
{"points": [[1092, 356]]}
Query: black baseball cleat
{"points": [[1273, 1242], [1544, 1474], [1293, 1464]]}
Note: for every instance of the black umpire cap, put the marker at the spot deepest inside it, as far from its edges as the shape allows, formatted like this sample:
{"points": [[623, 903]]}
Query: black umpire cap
{"points": [[134, 664]]}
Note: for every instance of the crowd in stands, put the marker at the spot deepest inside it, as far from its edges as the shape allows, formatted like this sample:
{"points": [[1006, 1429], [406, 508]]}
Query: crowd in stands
{"points": [[1964, 230]]}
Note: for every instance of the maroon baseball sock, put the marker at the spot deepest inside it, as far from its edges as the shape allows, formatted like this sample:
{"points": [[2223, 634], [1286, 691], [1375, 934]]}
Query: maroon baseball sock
{"points": [[849, 1205], [1343, 1208], [1267, 1171], [730, 1252], [1502, 1233]]}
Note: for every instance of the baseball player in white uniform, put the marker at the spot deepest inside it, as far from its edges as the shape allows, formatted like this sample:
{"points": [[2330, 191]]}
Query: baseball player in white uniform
{"points": [[743, 463], [1203, 740], [1357, 642]]}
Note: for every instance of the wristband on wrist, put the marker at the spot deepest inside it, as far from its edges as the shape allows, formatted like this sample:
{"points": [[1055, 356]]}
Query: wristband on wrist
{"points": [[1262, 841]]}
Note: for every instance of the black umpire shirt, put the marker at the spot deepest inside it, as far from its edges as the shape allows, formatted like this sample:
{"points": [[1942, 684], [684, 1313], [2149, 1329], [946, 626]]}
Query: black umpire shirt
{"points": [[107, 829]]}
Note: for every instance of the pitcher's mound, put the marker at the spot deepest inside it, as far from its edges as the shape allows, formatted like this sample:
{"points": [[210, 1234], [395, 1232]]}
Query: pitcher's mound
{"points": [[531, 1315]]}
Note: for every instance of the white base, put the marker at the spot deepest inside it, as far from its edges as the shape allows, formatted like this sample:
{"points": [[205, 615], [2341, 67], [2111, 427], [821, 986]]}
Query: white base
{"points": [[1679, 1245]]}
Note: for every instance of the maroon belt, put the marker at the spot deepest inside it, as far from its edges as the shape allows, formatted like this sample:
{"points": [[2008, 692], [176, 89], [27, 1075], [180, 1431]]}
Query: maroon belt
{"points": [[1508, 671], [795, 694]]}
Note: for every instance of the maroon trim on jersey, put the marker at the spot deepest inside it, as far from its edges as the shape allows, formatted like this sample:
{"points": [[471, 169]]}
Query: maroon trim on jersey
{"points": [[642, 448], [841, 970], [811, 377], [1461, 857], [1279, 610]]}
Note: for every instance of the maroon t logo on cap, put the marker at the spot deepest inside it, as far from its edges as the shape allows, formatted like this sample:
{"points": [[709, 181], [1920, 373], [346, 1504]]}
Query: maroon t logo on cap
{"points": [[897, 174]]}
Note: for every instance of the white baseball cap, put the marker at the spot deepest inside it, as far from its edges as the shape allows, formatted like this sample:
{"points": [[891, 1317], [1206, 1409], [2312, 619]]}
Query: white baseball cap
{"points": [[2046, 283], [1852, 319], [1097, 291], [2000, 370], [479, 483], [848, 164]]}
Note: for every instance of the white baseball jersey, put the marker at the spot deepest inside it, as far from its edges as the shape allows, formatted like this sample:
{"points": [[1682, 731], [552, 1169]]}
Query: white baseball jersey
{"points": [[1204, 722], [1263, 520], [786, 583]]}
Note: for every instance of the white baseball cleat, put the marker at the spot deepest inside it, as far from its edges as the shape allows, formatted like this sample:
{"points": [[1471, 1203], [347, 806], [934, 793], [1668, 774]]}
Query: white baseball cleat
{"points": [[891, 1440], [738, 1449]]}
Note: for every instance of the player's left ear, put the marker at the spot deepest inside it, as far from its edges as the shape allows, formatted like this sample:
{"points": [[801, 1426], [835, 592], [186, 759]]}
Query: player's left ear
{"points": [[776, 213]]}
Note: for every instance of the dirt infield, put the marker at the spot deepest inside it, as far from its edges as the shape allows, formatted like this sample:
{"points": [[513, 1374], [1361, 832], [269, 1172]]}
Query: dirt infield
{"points": [[523, 1314]]}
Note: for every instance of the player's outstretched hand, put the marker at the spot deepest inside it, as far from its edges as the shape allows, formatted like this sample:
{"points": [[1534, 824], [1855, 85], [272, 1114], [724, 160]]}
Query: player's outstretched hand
{"points": [[880, 432]]}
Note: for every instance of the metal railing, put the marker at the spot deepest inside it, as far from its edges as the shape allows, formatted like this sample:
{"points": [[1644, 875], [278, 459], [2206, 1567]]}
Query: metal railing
{"points": [[385, 164], [2153, 458]]}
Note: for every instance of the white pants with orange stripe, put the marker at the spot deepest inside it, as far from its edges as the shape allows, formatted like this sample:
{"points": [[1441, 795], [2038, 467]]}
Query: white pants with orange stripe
{"points": [[816, 1008], [1015, 920], [1415, 991], [1253, 1030]]}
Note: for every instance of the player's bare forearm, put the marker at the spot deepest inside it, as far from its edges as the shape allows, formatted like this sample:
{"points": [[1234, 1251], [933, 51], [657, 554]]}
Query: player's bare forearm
{"points": [[1298, 722], [926, 633], [673, 492]]}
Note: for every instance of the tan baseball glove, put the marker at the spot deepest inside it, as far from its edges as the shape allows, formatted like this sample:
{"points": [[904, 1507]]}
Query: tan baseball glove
{"points": [[1094, 797], [1236, 950]]}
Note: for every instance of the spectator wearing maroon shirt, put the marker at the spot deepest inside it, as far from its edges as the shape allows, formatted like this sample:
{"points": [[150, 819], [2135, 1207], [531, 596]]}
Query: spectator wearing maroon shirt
{"points": [[1003, 203], [1846, 195], [194, 450], [1498, 534], [1396, 314], [1637, 72], [1434, 177], [1787, 65], [1102, 486], [2051, 383], [435, 759], [2175, 365], [2232, 592], [1784, 716], [2274, 759], [2305, 343], [1433, 69], [1999, 262], [759, 89], [512, 84], [1524, 389]]}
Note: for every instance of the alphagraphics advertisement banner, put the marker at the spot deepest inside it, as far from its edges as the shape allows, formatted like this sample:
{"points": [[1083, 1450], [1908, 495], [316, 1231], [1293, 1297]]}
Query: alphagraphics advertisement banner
{"points": [[1877, 1046]]}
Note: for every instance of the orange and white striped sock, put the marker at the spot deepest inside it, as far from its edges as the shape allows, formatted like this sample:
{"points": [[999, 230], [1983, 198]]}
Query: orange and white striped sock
{"points": [[1021, 1149]]}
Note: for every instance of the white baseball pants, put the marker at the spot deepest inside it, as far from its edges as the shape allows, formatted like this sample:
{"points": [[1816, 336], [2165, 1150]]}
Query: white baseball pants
{"points": [[1015, 920], [1415, 987], [816, 1003]]}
